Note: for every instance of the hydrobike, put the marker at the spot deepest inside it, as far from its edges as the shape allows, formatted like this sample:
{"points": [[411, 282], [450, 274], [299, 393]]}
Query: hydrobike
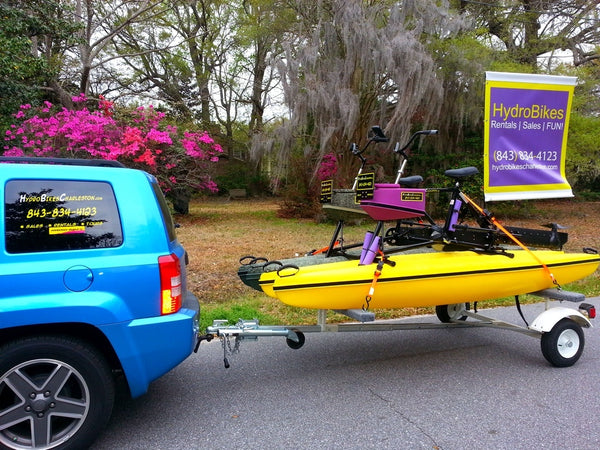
{"points": [[475, 262], [416, 263]]}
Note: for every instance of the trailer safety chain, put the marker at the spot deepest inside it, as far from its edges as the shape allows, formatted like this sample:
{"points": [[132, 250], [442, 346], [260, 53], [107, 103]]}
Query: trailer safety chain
{"points": [[228, 349], [512, 237]]}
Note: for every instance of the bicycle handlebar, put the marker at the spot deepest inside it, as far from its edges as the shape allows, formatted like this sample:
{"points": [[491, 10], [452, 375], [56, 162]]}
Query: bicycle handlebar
{"points": [[413, 137], [379, 136]]}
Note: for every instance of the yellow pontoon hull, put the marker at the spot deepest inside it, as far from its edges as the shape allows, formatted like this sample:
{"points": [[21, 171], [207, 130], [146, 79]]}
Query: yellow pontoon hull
{"points": [[427, 279]]}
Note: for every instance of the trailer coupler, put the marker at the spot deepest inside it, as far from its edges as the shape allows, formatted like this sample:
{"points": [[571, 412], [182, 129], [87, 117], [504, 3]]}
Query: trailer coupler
{"points": [[232, 335]]}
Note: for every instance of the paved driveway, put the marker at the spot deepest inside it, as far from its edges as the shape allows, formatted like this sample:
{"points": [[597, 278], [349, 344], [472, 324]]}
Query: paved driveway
{"points": [[425, 389]]}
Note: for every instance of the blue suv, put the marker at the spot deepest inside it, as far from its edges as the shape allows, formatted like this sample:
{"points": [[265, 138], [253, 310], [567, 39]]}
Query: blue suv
{"points": [[92, 290]]}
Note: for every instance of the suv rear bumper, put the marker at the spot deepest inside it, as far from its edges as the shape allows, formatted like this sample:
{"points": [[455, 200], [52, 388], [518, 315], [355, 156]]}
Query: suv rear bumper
{"points": [[145, 346]]}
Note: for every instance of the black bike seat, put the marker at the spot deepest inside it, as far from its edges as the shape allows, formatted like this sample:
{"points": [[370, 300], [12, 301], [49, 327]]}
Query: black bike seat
{"points": [[463, 172], [412, 181]]}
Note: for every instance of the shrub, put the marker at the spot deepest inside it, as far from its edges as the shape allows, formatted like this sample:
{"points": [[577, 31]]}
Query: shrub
{"points": [[180, 160]]}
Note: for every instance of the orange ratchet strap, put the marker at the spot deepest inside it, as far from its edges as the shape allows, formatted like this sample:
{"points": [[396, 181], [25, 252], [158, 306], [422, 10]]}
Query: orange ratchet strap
{"points": [[511, 236], [376, 276], [324, 249]]}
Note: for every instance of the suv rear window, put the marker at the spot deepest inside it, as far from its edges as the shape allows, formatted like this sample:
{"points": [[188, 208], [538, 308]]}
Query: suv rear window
{"points": [[55, 215], [166, 214]]}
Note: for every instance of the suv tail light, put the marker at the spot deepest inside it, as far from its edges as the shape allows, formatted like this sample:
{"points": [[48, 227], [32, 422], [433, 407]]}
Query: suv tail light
{"points": [[170, 284]]}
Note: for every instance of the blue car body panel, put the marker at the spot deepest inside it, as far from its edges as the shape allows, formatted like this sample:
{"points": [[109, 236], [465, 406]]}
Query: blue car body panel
{"points": [[114, 289]]}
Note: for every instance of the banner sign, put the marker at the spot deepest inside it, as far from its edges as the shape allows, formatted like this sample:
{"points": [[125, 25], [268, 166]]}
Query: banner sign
{"points": [[525, 141]]}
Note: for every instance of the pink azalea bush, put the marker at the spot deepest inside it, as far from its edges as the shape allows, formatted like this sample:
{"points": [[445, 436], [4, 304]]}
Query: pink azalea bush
{"points": [[328, 167], [180, 160]]}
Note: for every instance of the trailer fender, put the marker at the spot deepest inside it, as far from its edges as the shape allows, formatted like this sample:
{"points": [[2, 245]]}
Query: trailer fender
{"points": [[546, 320]]}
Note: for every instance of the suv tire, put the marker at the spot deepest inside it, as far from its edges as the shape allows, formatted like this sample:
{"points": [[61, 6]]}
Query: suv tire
{"points": [[55, 393]]}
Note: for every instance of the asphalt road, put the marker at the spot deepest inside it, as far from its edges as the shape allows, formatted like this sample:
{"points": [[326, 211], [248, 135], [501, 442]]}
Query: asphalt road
{"points": [[425, 389]]}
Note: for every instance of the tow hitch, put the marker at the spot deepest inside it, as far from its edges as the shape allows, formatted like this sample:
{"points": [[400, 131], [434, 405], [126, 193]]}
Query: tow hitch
{"points": [[203, 337], [247, 330]]}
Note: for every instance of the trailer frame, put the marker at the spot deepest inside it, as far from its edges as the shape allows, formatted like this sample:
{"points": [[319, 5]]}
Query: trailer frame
{"points": [[559, 328]]}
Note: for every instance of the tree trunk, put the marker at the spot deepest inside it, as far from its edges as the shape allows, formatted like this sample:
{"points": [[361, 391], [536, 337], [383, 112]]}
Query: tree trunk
{"points": [[63, 96], [260, 65], [180, 197]]}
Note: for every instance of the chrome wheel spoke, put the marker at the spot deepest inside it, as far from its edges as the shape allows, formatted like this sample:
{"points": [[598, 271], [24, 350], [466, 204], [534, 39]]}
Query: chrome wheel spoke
{"points": [[12, 416], [40, 431], [56, 380], [20, 384], [73, 408]]}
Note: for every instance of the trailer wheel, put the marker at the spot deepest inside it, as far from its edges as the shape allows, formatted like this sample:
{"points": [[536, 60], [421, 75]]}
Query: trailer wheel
{"points": [[293, 344], [563, 344], [449, 313]]}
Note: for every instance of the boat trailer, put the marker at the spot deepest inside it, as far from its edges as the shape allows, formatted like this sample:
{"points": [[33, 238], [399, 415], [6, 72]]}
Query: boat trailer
{"points": [[559, 328]]}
